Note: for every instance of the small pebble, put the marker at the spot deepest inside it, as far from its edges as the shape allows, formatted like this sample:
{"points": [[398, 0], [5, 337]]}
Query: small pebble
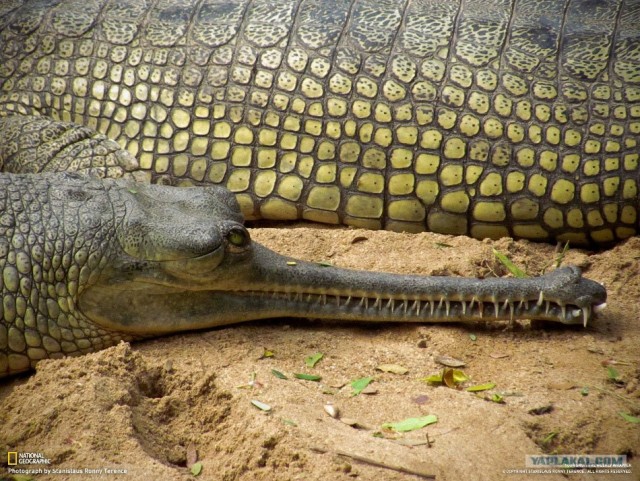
{"points": [[369, 390], [332, 410]]}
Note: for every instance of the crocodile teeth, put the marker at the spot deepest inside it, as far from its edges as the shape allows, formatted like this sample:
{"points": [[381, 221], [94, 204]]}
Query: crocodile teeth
{"points": [[416, 307], [443, 307], [508, 303], [391, 304], [600, 307], [586, 311]]}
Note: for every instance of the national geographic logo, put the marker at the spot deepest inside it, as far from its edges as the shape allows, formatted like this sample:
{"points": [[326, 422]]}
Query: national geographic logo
{"points": [[33, 463], [15, 458]]}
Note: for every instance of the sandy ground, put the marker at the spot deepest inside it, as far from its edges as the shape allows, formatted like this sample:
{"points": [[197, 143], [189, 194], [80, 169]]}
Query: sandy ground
{"points": [[150, 408]]}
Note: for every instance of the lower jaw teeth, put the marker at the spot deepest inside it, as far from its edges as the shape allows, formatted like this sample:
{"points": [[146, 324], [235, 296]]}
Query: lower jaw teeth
{"points": [[443, 308]]}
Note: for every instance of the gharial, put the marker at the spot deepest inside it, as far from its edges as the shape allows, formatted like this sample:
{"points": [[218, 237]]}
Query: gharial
{"points": [[488, 118]]}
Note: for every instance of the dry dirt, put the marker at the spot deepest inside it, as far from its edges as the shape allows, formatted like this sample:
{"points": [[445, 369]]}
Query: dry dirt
{"points": [[142, 407]]}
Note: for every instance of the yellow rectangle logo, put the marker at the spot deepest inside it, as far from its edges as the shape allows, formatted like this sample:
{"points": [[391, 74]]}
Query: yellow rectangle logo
{"points": [[12, 458]]}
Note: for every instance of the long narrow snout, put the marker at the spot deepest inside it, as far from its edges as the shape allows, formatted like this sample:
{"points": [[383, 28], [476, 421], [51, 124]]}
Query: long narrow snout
{"points": [[262, 284], [281, 286]]}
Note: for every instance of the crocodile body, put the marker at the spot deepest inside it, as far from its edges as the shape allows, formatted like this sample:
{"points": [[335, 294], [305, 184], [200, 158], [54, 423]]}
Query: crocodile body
{"points": [[482, 117]]}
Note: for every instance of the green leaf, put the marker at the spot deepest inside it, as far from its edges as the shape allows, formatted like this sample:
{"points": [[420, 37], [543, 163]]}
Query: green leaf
{"points": [[473, 337], [267, 353], [630, 418], [325, 264], [359, 384], [289, 422], [613, 374], [481, 387], [584, 391], [292, 263], [278, 374], [442, 245], [411, 424], [459, 376], [449, 377], [311, 361], [547, 439], [196, 469], [511, 267], [260, 405], [307, 377], [435, 379], [497, 398]]}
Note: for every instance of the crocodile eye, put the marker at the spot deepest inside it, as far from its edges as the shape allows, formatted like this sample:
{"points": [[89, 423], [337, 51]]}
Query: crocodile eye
{"points": [[238, 237]]}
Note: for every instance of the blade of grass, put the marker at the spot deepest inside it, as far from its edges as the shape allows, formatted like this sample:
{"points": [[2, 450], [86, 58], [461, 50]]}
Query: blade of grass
{"points": [[511, 267]]}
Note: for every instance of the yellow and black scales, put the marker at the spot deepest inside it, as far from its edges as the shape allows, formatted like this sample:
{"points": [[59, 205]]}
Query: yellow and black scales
{"points": [[482, 117]]}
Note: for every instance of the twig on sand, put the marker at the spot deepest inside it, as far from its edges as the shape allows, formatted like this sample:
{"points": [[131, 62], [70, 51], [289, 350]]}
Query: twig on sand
{"points": [[374, 462], [615, 394]]}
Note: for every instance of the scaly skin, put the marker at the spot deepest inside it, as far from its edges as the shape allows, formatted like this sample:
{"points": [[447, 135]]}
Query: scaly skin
{"points": [[87, 262], [482, 117]]}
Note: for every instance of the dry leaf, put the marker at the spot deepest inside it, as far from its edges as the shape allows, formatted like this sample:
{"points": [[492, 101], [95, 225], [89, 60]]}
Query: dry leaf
{"points": [[498, 355], [537, 411], [349, 421], [452, 377], [561, 385], [192, 455], [421, 399], [392, 368], [449, 361]]}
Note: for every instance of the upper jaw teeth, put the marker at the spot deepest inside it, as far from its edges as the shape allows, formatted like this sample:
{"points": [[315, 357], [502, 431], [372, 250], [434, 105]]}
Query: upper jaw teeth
{"points": [[443, 307]]}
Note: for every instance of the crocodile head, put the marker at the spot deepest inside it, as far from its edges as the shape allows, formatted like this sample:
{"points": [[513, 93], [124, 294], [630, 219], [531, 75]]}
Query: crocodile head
{"points": [[184, 260]]}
